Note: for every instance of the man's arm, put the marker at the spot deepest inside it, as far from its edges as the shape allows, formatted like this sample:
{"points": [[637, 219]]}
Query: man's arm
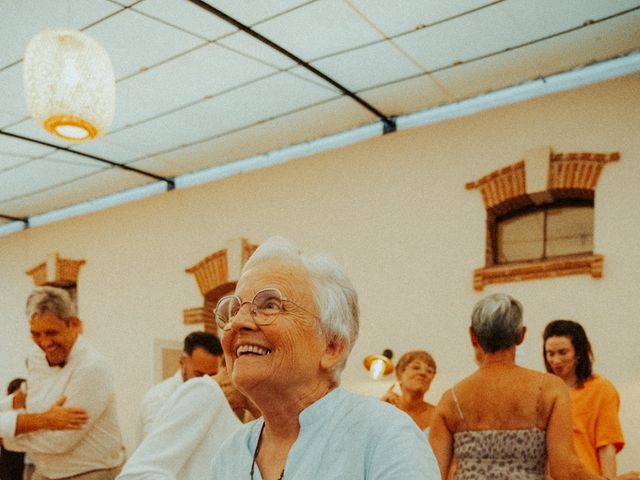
{"points": [[90, 386], [56, 418]]}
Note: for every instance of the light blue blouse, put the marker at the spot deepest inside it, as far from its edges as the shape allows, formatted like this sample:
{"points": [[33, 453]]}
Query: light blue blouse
{"points": [[342, 436]]}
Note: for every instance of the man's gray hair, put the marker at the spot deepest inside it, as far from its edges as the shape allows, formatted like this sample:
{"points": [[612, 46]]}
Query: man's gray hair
{"points": [[497, 322], [334, 293], [51, 299]]}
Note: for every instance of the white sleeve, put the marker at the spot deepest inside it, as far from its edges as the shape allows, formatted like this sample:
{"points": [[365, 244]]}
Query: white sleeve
{"points": [[8, 423], [6, 403], [180, 427], [151, 405]]}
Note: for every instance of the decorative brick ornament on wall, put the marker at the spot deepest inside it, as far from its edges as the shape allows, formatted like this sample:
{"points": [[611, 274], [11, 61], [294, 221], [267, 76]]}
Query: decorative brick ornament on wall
{"points": [[216, 276], [542, 177], [59, 272]]}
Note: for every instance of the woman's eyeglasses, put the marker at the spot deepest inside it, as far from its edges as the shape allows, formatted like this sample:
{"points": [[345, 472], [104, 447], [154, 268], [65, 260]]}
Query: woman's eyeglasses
{"points": [[265, 307]]}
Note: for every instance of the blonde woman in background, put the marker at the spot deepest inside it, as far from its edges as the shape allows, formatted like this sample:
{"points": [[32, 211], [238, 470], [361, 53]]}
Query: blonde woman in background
{"points": [[415, 371]]}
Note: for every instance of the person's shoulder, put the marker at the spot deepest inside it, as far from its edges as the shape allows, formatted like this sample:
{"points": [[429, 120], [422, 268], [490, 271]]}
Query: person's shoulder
{"points": [[552, 385], [204, 387], [363, 410], [596, 382], [164, 389]]}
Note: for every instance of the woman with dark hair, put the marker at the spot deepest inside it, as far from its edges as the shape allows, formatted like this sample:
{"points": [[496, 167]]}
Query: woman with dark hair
{"points": [[597, 434]]}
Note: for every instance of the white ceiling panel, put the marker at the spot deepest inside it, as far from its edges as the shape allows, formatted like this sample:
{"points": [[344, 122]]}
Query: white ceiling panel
{"points": [[9, 161], [540, 59], [597, 42], [361, 69], [488, 30], [224, 113], [7, 119], [39, 174], [80, 190], [107, 148], [186, 16], [125, 3], [407, 95], [14, 146], [413, 14], [250, 13], [321, 120], [319, 28], [189, 78], [11, 81], [546, 17], [63, 157], [488, 74], [136, 42], [244, 43], [15, 33]]}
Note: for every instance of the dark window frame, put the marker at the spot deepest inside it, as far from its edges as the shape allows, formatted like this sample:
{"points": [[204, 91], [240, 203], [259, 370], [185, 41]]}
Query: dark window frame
{"points": [[524, 206]]}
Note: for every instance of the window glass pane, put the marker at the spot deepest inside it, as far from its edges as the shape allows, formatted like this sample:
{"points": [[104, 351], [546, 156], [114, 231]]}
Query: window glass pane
{"points": [[521, 238], [569, 231]]}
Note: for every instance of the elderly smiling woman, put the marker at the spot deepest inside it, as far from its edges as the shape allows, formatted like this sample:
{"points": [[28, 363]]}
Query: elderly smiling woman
{"points": [[287, 333]]}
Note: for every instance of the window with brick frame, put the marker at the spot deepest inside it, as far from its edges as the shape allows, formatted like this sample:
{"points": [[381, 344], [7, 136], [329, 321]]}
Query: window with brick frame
{"points": [[540, 217], [540, 232]]}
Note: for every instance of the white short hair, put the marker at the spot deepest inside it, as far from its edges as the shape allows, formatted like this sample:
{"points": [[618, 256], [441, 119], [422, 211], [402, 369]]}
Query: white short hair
{"points": [[53, 300], [334, 293]]}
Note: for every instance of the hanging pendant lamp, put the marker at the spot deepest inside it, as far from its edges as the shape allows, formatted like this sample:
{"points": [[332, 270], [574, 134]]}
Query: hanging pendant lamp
{"points": [[69, 84]]}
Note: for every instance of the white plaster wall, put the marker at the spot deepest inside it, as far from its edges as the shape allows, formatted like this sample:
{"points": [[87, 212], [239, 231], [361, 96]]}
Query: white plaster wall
{"points": [[394, 211]]}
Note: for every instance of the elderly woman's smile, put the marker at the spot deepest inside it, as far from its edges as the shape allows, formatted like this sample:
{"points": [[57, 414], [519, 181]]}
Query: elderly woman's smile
{"points": [[251, 350]]}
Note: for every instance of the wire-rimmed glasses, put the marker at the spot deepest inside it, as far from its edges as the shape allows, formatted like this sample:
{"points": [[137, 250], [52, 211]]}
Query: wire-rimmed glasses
{"points": [[265, 307]]}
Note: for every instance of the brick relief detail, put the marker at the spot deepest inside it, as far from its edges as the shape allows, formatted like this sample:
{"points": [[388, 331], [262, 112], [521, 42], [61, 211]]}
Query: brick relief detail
{"points": [[515, 272], [501, 185], [56, 272], [577, 170], [216, 276]]}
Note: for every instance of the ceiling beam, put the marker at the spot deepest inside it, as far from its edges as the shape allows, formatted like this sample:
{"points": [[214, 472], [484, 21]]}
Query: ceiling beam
{"points": [[169, 181], [389, 124]]}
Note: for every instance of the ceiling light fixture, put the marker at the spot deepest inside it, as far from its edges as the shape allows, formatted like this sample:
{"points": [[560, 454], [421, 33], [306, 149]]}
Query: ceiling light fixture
{"points": [[379, 365], [69, 84]]}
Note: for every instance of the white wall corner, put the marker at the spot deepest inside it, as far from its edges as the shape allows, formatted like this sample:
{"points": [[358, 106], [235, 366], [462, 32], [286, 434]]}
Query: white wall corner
{"points": [[536, 165], [234, 259]]}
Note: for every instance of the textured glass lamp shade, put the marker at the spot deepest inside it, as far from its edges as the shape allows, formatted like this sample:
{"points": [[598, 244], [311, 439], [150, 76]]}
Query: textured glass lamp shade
{"points": [[69, 84]]}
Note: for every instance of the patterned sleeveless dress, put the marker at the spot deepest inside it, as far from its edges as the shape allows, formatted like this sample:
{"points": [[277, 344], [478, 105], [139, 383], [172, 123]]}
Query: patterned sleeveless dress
{"points": [[501, 454]]}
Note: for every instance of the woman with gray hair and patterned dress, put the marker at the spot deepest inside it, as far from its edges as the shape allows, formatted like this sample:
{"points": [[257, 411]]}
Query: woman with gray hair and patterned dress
{"points": [[287, 333], [504, 421]]}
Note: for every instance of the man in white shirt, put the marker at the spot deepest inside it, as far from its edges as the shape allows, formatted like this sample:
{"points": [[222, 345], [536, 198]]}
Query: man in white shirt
{"points": [[66, 365], [201, 355], [188, 431]]}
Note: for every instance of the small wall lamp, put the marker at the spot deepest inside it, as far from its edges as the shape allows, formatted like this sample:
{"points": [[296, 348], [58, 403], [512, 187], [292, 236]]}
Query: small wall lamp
{"points": [[379, 365]]}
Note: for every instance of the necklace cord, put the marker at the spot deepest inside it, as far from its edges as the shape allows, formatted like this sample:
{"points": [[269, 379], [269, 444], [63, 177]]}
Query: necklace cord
{"points": [[255, 456]]}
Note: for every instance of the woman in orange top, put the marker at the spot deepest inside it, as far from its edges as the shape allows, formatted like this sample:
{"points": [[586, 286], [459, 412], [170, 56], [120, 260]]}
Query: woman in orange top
{"points": [[595, 402]]}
